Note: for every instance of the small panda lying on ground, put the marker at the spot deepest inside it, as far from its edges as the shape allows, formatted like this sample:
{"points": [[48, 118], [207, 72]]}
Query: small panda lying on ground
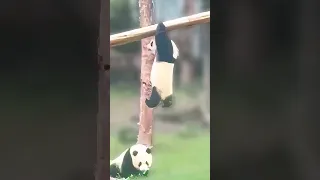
{"points": [[161, 76], [134, 161]]}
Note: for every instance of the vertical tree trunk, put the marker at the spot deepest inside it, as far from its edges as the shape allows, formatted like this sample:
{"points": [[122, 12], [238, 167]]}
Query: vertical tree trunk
{"points": [[146, 114], [103, 118]]}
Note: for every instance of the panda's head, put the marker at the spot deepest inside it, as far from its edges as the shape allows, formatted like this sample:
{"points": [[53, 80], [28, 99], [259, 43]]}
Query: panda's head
{"points": [[165, 49], [141, 157]]}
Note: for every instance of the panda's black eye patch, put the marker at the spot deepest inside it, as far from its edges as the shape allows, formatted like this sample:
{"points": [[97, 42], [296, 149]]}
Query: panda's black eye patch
{"points": [[139, 164], [135, 153], [147, 163], [148, 150], [152, 43]]}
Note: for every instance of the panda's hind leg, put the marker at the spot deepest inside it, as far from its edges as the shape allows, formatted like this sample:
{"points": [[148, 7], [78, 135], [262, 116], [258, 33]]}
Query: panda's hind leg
{"points": [[167, 102], [154, 99]]}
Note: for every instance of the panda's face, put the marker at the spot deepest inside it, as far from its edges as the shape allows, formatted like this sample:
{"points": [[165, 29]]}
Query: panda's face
{"points": [[141, 157]]}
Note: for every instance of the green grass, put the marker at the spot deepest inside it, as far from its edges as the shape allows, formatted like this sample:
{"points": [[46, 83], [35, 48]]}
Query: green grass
{"points": [[120, 92], [175, 157]]}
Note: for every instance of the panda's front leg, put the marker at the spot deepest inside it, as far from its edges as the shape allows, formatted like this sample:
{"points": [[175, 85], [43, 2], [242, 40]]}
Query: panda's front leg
{"points": [[167, 102], [114, 171], [154, 99], [146, 173]]}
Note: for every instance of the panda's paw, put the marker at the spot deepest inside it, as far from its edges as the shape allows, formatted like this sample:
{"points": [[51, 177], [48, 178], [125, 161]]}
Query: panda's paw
{"points": [[154, 99], [146, 174], [167, 102], [114, 171]]}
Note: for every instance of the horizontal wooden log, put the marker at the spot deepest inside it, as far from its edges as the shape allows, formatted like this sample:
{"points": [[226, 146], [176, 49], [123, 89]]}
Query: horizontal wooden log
{"points": [[140, 33]]}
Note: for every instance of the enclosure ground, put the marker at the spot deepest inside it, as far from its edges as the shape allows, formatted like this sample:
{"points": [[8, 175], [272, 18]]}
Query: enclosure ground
{"points": [[176, 157], [181, 151]]}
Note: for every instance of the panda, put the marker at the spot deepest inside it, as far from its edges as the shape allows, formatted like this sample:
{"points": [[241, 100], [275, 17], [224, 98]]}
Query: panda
{"points": [[162, 68], [134, 161]]}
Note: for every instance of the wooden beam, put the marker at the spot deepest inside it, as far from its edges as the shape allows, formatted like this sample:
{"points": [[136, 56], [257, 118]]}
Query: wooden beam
{"points": [[144, 32]]}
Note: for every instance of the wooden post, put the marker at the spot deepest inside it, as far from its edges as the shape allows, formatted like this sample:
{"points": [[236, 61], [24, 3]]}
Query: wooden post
{"points": [[103, 118], [146, 114]]}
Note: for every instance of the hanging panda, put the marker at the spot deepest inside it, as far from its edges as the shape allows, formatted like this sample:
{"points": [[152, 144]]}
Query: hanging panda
{"points": [[162, 69], [134, 161]]}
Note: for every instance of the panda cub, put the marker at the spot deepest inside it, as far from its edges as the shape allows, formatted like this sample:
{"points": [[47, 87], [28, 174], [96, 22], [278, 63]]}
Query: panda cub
{"points": [[161, 76], [134, 161]]}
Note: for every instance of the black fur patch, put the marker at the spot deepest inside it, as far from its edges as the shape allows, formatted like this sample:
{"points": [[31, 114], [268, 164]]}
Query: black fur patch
{"points": [[127, 168], [164, 45], [154, 99], [167, 102], [135, 153], [114, 171]]}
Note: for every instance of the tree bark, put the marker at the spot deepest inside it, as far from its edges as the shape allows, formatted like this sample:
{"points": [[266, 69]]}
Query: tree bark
{"points": [[103, 118], [147, 57]]}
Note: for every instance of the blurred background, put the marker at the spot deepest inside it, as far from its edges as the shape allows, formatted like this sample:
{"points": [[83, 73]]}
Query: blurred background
{"points": [[182, 131], [264, 91]]}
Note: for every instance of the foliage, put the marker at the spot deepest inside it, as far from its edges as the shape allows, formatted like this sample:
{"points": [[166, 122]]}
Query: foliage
{"points": [[175, 157], [117, 9], [121, 20]]}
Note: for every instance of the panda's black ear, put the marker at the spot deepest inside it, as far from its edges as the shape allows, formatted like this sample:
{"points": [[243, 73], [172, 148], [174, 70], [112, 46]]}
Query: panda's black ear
{"points": [[135, 153], [148, 150]]}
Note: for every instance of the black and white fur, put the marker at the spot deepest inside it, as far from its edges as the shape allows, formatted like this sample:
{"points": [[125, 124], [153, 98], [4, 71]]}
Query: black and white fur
{"points": [[134, 161], [161, 77]]}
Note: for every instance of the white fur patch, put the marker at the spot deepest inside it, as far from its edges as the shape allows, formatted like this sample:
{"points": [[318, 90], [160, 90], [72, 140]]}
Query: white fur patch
{"points": [[162, 77], [142, 157], [175, 50]]}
